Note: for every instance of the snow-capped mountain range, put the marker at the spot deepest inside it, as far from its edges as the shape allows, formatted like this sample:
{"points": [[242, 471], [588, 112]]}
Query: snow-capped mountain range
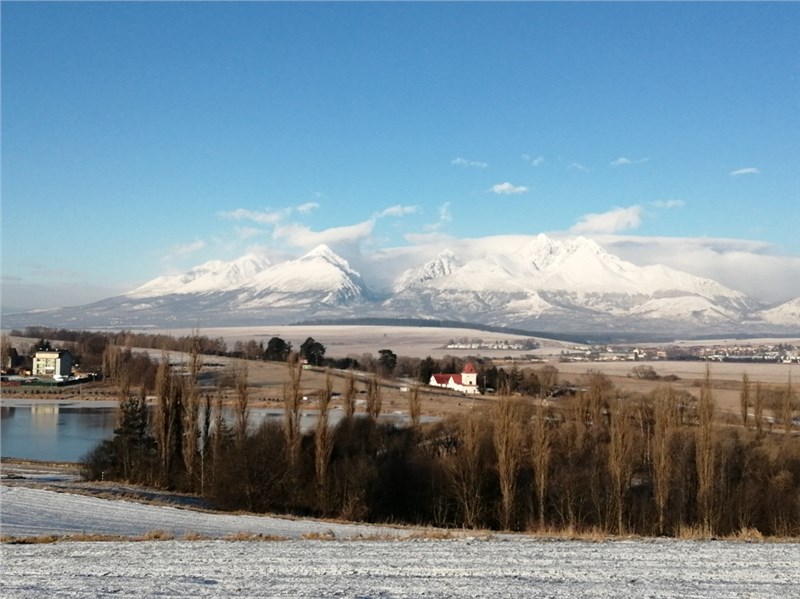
{"points": [[542, 284]]}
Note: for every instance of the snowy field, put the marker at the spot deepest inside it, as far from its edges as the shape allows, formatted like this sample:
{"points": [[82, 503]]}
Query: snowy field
{"points": [[361, 560], [26, 512], [452, 568]]}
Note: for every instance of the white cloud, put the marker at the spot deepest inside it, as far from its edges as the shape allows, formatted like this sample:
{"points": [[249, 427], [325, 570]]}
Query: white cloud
{"points": [[265, 218], [578, 167], [533, 161], [745, 171], [188, 248], [668, 204], [247, 232], [622, 161], [303, 237], [508, 188], [398, 210], [469, 163], [751, 267], [619, 219], [427, 238], [307, 207], [445, 215]]}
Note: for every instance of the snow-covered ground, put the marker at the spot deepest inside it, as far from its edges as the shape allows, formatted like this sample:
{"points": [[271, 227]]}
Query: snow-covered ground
{"points": [[385, 562], [454, 568], [26, 512]]}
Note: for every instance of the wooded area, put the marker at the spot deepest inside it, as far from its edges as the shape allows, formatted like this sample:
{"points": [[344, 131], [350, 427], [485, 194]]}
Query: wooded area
{"points": [[601, 460]]}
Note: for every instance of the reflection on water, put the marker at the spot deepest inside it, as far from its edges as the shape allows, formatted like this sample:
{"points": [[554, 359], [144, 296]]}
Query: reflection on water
{"points": [[54, 432], [65, 432]]}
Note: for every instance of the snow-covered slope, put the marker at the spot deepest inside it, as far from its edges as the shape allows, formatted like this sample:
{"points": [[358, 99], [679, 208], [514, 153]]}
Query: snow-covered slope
{"points": [[319, 277], [359, 562], [559, 277], [441, 266], [787, 314], [212, 277]]}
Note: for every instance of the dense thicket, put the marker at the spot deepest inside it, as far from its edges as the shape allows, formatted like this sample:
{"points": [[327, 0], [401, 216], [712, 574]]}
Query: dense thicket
{"points": [[601, 460]]}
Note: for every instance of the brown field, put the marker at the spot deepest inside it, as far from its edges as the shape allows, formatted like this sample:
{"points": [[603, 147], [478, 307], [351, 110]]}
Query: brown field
{"points": [[352, 340], [342, 341], [266, 379]]}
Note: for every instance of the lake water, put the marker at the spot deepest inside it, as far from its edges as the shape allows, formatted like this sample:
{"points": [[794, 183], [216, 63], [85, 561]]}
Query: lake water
{"points": [[64, 431], [54, 431]]}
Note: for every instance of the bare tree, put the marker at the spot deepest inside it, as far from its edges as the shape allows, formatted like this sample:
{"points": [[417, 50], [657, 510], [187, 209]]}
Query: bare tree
{"points": [[168, 419], [786, 407], [598, 396], [218, 440], [665, 421], [350, 394], [242, 412], [509, 448], [548, 378], [291, 408], [758, 410], [374, 399], [112, 356], [5, 350], [205, 435], [704, 456], [541, 453], [744, 399], [191, 412], [414, 406], [323, 443], [464, 471], [619, 458]]}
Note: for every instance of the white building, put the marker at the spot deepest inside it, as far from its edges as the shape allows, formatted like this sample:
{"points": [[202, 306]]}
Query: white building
{"points": [[466, 382], [57, 362]]}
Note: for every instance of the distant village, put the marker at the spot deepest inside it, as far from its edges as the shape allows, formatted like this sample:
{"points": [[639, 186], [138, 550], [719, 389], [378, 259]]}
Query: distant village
{"points": [[723, 352], [738, 351], [516, 345]]}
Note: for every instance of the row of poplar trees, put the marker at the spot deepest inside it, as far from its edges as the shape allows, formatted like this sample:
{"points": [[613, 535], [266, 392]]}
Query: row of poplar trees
{"points": [[601, 461]]}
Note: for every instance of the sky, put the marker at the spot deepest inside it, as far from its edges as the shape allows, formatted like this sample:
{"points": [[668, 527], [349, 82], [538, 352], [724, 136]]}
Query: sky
{"points": [[142, 139]]}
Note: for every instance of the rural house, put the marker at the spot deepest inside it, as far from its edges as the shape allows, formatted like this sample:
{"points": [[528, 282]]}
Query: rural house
{"points": [[54, 363], [466, 382]]}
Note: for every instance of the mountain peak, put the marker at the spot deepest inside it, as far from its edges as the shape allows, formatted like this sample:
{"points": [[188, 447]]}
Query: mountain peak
{"points": [[211, 276], [325, 254], [321, 250], [443, 264]]}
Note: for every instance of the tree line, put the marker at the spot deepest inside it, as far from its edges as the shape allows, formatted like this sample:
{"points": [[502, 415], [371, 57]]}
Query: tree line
{"points": [[601, 460], [89, 349]]}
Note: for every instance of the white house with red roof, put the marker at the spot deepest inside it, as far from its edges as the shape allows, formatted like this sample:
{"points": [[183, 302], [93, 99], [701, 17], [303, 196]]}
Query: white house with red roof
{"points": [[466, 382]]}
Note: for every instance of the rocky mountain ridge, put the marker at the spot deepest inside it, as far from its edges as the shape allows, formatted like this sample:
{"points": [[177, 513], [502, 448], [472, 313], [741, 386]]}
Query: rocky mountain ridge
{"points": [[544, 284]]}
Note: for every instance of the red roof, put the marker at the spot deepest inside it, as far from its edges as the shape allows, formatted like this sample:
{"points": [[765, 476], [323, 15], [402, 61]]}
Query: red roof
{"points": [[469, 368], [444, 379]]}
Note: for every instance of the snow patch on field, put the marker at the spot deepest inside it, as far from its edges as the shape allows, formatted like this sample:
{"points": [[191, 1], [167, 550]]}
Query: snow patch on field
{"points": [[34, 512]]}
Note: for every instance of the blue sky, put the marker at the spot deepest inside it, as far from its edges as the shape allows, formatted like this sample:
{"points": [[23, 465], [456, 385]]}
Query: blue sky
{"points": [[145, 138]]}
